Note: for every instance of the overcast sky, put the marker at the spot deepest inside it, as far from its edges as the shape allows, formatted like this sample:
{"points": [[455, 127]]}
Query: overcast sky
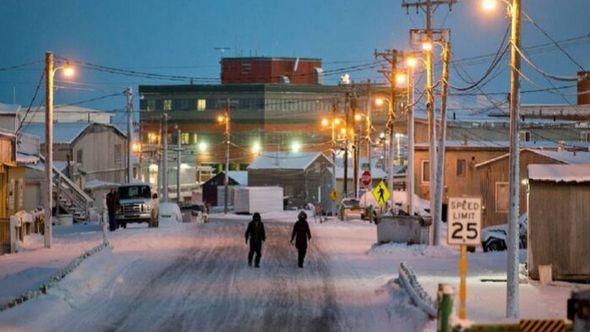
{"points": [[180, 37]]}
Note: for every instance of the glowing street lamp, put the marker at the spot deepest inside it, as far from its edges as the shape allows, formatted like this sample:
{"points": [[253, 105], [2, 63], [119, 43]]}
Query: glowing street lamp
{"points": [[411, 62], [427, 46], [489, 5], [203, 146], [295, 146], [256, 148], [401, 79], [325, 122], [379, 101]]}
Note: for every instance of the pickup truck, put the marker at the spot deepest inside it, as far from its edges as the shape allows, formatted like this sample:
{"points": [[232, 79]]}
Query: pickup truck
{"points": [[136, 204]]}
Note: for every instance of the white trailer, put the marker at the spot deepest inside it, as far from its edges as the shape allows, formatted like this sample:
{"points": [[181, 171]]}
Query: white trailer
{"points": [[258, 199]]}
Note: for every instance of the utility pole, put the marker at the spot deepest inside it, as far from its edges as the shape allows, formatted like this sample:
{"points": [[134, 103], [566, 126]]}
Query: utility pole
{"points": [[368, 123], [165, 160], [129, 94], [355, 145], [512, 291], [440, 162], [427, 47], [48, 148], [333, 124], [346, 142], [178, 162], [390, 56], [410, 152], [227, 144]]}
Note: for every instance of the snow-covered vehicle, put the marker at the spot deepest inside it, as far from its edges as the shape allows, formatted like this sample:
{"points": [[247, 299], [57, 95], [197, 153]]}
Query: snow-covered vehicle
{"points": [[169, 212], [135, 204], [493, 238]]}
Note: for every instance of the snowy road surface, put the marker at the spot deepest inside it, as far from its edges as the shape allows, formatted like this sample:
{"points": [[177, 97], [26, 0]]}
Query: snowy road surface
{"points": [[194, 277]]}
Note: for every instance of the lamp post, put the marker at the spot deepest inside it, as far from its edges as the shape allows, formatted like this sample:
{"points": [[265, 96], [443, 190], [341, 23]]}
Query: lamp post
{"points": [[50, 71], [389, 160], [332, 124], [512, 291], [411, 62], [225, 119]]}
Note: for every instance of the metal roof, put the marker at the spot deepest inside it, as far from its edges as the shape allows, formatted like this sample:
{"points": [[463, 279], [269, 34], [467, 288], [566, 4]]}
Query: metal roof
{"points": [[64, 132]]}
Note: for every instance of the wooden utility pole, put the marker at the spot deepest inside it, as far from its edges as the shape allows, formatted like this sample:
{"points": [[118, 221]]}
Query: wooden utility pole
{"points": [[355, 145], [427, 39], [346, 144], [512, 292], [391, 56], [227, 144], [440, 162], [47, 236], [129, 94], [165, 159], [410, 151]]}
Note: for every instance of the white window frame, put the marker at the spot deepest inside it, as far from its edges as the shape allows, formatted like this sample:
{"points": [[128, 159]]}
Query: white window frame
{"points": [[523, 135]]}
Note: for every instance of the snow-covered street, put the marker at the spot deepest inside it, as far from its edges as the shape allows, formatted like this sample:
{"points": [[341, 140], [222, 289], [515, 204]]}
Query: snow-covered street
{"points": [[195, 277]]}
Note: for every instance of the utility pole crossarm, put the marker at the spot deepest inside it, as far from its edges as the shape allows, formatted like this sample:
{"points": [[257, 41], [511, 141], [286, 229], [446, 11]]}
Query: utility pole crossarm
{"points": [[420, 4]]}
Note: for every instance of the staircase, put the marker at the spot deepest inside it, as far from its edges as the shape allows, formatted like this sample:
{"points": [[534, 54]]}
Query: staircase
{"points": [[70, 197]]}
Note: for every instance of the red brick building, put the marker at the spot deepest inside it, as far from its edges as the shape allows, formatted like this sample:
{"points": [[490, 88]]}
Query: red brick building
{"points": [[267, 70]]}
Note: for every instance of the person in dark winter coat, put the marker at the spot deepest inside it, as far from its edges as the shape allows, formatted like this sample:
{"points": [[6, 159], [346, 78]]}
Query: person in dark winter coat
{"points": [[111, 208], [255, 233], [301, 235]]}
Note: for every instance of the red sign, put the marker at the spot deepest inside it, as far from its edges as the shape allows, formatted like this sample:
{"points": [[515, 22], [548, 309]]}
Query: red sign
{"points": [[366, 178]]}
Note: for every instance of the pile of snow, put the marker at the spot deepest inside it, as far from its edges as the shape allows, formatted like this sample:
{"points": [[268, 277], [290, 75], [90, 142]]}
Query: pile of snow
{"points": [[404, 250]]}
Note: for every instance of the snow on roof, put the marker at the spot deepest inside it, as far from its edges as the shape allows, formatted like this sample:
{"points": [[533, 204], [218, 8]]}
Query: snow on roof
{"points": [[560, 173], [98, 184], [9, 108], [240, 177], [63, 132], [69, 113], [23, 158], [567, 157], [40, 165], [285, 160], [458, 144]]}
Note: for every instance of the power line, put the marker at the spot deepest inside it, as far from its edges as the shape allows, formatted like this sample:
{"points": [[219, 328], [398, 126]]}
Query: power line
{"points": [[31, 102]]}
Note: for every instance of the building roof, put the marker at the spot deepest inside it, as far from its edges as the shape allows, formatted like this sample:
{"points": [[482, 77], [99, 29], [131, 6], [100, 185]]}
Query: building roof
{"points": [[560, 173], [286, 160], [566, 157], [9, 108], [503, 145], [69, 113], [241, 177], [26, 159], [264, 58], [64, 132]]}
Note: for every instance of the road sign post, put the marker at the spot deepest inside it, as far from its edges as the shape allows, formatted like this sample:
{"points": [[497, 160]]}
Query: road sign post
{"points": [[464, 228]]}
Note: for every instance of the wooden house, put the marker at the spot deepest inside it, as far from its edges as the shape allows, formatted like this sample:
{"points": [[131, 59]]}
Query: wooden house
{"points": [[559, 220], [492, 178], [305, 177], [11, 187]]}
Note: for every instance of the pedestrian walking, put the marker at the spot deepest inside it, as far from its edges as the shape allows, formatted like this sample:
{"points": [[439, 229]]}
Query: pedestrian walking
{"points": [[256, 234], [301, 235], [111, 208]]}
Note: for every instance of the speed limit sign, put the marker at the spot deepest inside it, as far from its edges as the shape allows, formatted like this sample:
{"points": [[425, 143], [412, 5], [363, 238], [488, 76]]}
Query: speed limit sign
{"points": [[464, 221]]}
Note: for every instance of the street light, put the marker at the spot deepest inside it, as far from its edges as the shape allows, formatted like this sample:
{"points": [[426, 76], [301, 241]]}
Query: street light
{"points": [[427, 46], [295, 146], [256, 148], [411, 62], [203, 147], [50, 71], [401, 79], [325, 122], [489, 5]]}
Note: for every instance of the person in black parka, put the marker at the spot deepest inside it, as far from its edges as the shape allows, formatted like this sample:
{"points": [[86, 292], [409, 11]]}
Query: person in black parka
{"points": [[255, 233], [301, 235]]}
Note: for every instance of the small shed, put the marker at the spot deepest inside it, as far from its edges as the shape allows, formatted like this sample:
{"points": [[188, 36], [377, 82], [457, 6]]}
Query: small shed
{"points": [[210, 188], [304, 176], [559, 220]]}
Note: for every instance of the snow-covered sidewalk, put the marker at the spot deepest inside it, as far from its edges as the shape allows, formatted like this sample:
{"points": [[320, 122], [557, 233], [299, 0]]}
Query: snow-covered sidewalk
{"points": [[486, 286], [34, 265]]}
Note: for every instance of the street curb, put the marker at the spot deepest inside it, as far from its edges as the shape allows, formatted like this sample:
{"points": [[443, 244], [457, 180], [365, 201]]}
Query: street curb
{"points": [[410, 284], [32, 294]]}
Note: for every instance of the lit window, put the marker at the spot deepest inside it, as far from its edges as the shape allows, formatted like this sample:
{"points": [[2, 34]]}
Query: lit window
{"points": [[461, 167], [185, 138], [195, 138], [425, 171], [152, 138], [502, 196], [167, 104], [201, 105]]}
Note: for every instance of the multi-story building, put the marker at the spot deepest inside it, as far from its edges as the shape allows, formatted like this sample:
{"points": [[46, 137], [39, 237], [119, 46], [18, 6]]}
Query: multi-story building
{"points": [[268, 113]]}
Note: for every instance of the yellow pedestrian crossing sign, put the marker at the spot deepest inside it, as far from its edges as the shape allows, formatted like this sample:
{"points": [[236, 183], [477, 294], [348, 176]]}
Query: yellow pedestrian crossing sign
{"points": [[381, 193]]}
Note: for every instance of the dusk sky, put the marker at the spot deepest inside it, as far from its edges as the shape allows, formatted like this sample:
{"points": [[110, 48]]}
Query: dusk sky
{"points": [[180, 37]]}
